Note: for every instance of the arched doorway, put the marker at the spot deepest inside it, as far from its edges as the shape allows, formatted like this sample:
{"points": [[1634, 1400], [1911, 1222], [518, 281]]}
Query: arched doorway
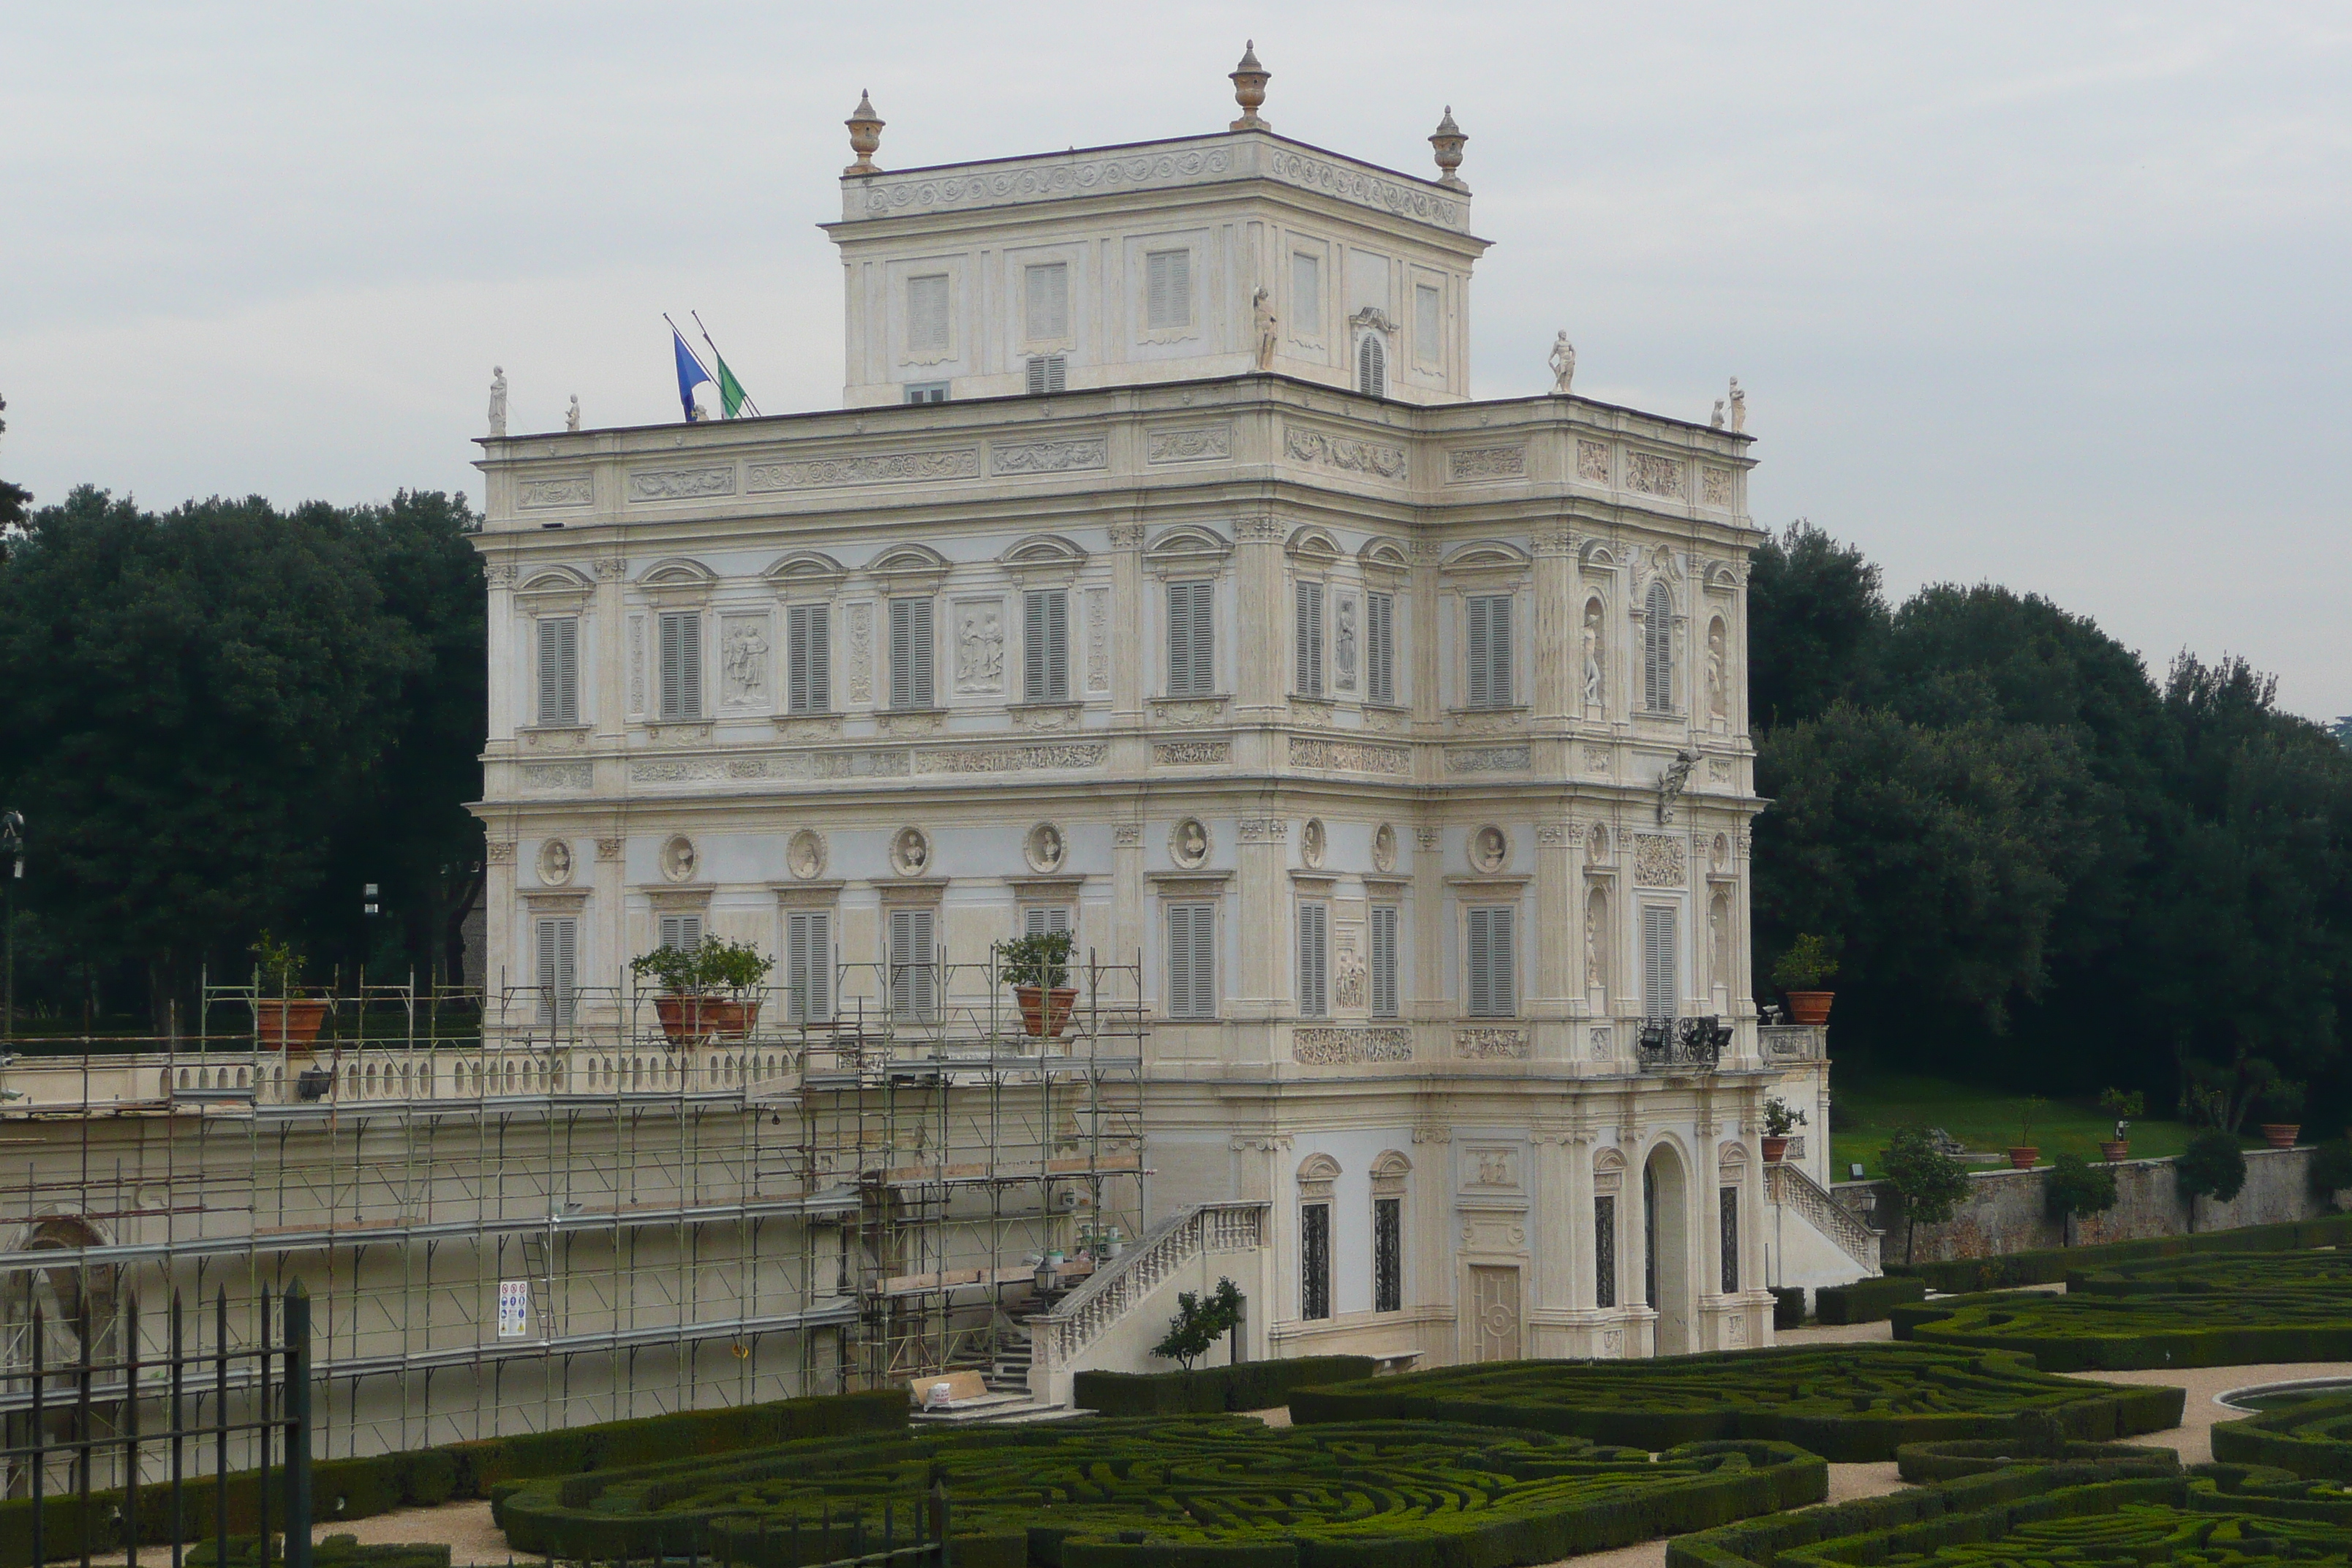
{"points": [[1665, 1249]]}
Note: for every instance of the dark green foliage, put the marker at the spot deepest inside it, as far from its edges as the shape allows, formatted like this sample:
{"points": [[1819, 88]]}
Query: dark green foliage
{"points": [[327, 1552], [1845, 1403], [14, 499], [2330, 1171], [1788, 1307], [2050, 1266], [1215, 1492], [2311, 1438], [1040, 958], [1211, 1390], [2211, 1166], [1923, 1463], [1816, 619], [1199, 1324], [1931, 1183], [1864, 1300], [361, 1487], [2076, 1186]]}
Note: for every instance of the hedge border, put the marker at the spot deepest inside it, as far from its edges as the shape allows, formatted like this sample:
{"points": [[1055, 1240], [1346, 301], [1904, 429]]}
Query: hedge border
{"points": [[2267, 1439], [1213, 1390], [1942, 1323], [1866, 1300], [423, 1478], [2050, 1266], [1788, 1307]]}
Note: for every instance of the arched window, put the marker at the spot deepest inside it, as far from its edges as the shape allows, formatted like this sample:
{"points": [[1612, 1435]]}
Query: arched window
{"points": [[1371, 366], [1658, 649]]}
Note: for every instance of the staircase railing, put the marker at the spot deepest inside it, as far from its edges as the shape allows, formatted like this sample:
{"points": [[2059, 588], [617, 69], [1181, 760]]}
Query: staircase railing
{"points": [[1786, 1184], [1083, 1315]]}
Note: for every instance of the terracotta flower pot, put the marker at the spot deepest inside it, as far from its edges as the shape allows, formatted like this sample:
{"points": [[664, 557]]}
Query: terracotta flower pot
{"points": [[1775, 1149], [1810, 1007], [2281, 1134], [1034, 1007], [686, 1017], [2022, 1158], [2115, 1153], [288, 1023]]}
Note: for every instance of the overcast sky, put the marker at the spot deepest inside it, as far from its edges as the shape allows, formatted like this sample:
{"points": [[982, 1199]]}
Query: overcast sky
{"points": [[2054, 296]]}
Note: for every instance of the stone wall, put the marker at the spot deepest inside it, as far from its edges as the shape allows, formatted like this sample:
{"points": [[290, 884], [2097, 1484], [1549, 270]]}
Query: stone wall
{"points": [[2007, 1212]]}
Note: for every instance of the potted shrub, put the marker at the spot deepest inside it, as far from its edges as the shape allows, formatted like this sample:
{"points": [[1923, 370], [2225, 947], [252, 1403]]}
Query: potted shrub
{"points": [[283, 1018], [1798, 972], [2124, 1109], [2022, 1153], [2283, 1098], [705, 989], [1037, 967], [1780, 1118]]}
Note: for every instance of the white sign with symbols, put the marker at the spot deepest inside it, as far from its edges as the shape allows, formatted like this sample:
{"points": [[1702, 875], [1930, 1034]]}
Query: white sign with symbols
{"points": [[514, 1308]]}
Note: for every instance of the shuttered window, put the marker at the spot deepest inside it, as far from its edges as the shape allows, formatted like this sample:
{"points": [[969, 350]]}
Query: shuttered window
{"points": [[1167, 288], [1191, 960], [1726, 1202], [1371, 367], [681, 930], [913, 965], [1428, 325], [1487, 641], [1660, 989], [1314, 961], [1384, 965], [808, 654], [911, 653], [1048, 312], [1314, 1261], [1191, 639], [1380, 647], [559, 670], [681, 664], [808, 966], [1604, 1251], [1310, 620], [1658, 651], [1041, 920], [1491, 981], [1045, 646], [1307, 295], [927, 314], [1388, 1255], [1048, 373], [559, 968]]}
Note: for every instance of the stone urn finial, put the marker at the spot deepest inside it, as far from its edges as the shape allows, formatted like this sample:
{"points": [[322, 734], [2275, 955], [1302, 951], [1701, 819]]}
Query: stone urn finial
{"points": [[1249, 89], [865, 135], [1448, 139]]}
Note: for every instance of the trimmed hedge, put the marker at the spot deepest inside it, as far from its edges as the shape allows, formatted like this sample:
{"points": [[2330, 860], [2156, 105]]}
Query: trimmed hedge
{"points": [[2119, 1333], [1922, 1464], [2310, 1438], [1866, 1300], [2051, 1265], [2327, 1271], [1212, 1390], [423, 1478], [1788, 1307], [1845, 1403], [327, 1552], [1186, 1492]]}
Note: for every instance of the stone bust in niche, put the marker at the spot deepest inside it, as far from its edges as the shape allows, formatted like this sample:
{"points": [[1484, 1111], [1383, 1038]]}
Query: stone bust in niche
{"points": [[555, 863], [1487, 849], [910, 852], [1190, 846]]}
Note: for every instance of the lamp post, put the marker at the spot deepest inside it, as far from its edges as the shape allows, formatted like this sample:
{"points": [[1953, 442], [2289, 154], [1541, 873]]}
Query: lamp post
{"points": [[12, 849]]}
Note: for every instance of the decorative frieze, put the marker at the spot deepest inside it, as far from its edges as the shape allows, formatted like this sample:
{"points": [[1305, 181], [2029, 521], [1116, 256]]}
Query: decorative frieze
{"points": [[1603, 1045], [1329, 1047], [1486, 759], [861, 653], [1715, 486], [1350, 756], [610, 850], [1098, 639], [1263, 829], [499, 851], [1653, 474], [555, 489], [1126, 835], [1191, 753], [1367, 189], [1188, 444], [498, 573], [558, 776], [1552, 834], [1467, 465], [1259, 530], [1011, 759], [1043, 182], [1188, 712], [1049, 457], [1592, 461], [1344, 453], [1489, 1043], [1659, 861], [681, 484], [866, 468], [1125, 535], [1599, 759]]}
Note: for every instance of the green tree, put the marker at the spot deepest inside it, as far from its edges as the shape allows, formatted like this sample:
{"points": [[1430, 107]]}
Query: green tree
{"points": [[2213, 1165], [1199, 1324], [1816, 619], [1929, 1183], [2077, 1187], [15, 500]]}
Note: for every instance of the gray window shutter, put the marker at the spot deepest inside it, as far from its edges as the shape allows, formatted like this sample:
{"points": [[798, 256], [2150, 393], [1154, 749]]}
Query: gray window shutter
{"points": [[559, 670], [1045, 646], [1191, 960], [1658, 651], [808, 966], [559, 958], [1477, 638], [1047, 374], [1310, 638], [1384, 961], [681, 664], [1191, 639], [912, 959], [1314, 961], [911, 653], [1039, 920], [669, 657], [681, 930], [1491, 981], [809, 652], [1488, 629], [1379, 647], [1659, 991], [1371, 367], [547, 674]]}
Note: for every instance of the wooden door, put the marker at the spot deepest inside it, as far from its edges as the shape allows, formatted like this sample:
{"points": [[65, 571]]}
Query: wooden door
{"points": [[1495, 1305]]}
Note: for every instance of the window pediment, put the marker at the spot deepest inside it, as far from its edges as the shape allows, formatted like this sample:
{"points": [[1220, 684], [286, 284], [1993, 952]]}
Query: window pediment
{"points": [[1313, 546], [1487, 555], [1385, 555], [1188, 548], [556, 583], [808, 569], [1047, 553], [906, 566]]}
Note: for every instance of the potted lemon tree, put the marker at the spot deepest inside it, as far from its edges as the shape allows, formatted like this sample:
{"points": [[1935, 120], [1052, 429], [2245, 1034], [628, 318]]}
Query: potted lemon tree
{"points": [[284, 1018], [1800, 972], [706, 989], [1037, 967], [1780, 1120], [2126, 1108]]}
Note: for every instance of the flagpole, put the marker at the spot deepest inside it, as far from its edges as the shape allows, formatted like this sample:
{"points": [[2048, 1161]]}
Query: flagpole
{"points": [[689, 347], [748, 402]]}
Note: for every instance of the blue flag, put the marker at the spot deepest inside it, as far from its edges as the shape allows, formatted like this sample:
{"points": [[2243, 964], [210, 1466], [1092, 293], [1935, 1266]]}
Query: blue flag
{"points": [[691, 373]]}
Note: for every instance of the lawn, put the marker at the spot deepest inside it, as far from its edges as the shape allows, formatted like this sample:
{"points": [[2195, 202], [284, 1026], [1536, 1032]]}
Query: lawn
{"points": [[1868, 1110]]}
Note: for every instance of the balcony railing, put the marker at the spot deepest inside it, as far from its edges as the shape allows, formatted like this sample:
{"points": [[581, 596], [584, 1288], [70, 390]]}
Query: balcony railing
{"points": [[1681, 1045]]}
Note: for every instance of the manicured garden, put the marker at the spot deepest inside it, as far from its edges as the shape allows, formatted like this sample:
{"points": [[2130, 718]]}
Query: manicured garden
{"points": [[1869, 1110]]}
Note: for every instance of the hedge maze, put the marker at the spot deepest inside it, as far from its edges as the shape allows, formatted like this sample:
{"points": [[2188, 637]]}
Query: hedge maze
{"points": [[1215, 1492], [2310, 1437], [1846, 1403]]}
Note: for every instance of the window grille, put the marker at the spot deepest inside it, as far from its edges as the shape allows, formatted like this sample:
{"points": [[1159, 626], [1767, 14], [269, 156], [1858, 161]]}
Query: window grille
{"points": [[1191, 639], [1380, 647], [1727, 1212], [559, 670], [1488, 627], [1660, 992], [1492, 992], [911, 653], [1045, 646], [1169, 289], [1314, 961], [1383, 959], [681, 664], [1310, 638], [1191, 960], [1388, 1255], [913, 967], [808, 654], [1658, 651], [1604, 1251], [808, 966], [1314, 1261], [927, 314]]}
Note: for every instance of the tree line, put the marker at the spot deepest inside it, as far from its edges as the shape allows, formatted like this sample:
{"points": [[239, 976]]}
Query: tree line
{"points": [[2039, 864]]}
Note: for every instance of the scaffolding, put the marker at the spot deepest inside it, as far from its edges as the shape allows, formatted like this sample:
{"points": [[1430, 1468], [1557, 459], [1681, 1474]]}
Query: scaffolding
{"points": [[517, 1211]]}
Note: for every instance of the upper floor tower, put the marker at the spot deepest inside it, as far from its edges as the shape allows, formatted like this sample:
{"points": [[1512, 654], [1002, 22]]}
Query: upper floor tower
{"points": [[1193, 258]]}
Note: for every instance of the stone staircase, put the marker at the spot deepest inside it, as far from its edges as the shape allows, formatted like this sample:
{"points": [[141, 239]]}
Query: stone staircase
{"points": [[1789, 1186]]}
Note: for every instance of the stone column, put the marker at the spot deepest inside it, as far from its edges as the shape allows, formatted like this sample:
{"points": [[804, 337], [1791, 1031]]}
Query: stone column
{"points": [[1260, 909], [1552, 1001], [1131, 649], [1559, 669], [1260, 637]]}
